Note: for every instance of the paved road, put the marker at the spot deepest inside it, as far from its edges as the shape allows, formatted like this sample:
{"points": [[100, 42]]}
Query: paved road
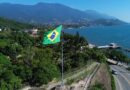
{"points": [[122, 79]]}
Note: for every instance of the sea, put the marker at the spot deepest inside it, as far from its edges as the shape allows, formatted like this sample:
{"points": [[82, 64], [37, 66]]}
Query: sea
{"points": [[104, 35]]}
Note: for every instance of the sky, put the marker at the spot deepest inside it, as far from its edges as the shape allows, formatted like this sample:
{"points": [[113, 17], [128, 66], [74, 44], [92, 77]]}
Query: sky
{"points": [[117, 8]]}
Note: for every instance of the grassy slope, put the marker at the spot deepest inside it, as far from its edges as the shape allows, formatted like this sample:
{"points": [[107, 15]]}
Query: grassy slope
{"points": [[74, 76], [102, 79]]}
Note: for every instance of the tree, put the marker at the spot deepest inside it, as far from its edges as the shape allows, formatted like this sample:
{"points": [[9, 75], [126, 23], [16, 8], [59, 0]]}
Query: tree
{"points": [[37, 70], [8, 81], [44, 69], [117, 55]]}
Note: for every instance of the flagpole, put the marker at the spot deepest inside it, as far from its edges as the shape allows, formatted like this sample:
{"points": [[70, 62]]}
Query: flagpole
{"points": [[62, 62]]}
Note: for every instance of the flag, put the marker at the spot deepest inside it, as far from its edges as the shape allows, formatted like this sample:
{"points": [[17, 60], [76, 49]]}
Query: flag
{"points": [[52, 37]]}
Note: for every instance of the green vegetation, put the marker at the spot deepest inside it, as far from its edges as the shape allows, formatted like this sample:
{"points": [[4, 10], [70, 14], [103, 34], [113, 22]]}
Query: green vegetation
{"points": [[113, 86], [39, 65], [113, 83], [101, 79], [117, 55], [81, 73], [128, 68], [104, 81], [36, 65], [70, 81], [13, 25], [32, 65], [8, 81], [97, 87], [25, 61]]}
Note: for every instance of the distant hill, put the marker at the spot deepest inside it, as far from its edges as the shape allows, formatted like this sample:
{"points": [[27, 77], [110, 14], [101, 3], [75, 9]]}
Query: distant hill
{"points": [[13, 25], [44, 13], [96, 15]]}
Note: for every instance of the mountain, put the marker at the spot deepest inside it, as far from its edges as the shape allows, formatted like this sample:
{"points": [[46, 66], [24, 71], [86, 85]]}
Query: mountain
{"points": [[44, 13], [96, 15]]}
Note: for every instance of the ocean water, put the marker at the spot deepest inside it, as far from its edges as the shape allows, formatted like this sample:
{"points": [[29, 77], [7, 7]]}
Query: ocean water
{"points": [[104, 35]]}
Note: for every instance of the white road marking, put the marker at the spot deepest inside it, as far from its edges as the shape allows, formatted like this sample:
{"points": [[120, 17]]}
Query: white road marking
{"points": [[119, 84]]}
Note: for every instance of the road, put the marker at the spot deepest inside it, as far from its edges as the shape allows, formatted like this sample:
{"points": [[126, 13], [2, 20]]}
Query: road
{"points": [[122, 79]]}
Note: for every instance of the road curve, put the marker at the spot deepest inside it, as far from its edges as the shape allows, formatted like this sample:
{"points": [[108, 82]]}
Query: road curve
{"points": [[122, 79]]}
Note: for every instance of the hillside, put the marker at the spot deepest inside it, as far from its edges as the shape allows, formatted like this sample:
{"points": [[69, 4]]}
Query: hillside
{"points": [[22, 63], [13, 25], [97, 15], [44, 13]]}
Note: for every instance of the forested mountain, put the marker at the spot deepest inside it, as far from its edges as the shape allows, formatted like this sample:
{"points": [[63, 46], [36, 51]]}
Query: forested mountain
{"points": [[44, 13]]}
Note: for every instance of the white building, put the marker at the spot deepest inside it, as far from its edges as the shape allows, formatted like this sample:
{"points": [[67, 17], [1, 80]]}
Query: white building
{"points": [[33, 32], [91, 45], [0, 29]]}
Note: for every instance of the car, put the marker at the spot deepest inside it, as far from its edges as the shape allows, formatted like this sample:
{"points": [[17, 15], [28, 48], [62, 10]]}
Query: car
{"points": [[120, 64], [114, 72]]}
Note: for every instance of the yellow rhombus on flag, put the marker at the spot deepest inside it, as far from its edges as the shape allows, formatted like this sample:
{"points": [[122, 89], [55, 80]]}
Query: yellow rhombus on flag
{"points": [[52, 37]]}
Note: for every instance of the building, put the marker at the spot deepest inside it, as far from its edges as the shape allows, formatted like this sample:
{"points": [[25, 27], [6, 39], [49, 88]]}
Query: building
{"points": [[33, 32], [91, 45], [0, 29]]}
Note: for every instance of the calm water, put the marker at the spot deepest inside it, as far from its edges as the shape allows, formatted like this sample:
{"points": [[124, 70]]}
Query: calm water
{"points": [[105, 35]]}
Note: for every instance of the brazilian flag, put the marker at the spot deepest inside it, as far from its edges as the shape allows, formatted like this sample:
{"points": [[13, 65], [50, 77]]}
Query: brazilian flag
{"points": [[52, 37]]}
